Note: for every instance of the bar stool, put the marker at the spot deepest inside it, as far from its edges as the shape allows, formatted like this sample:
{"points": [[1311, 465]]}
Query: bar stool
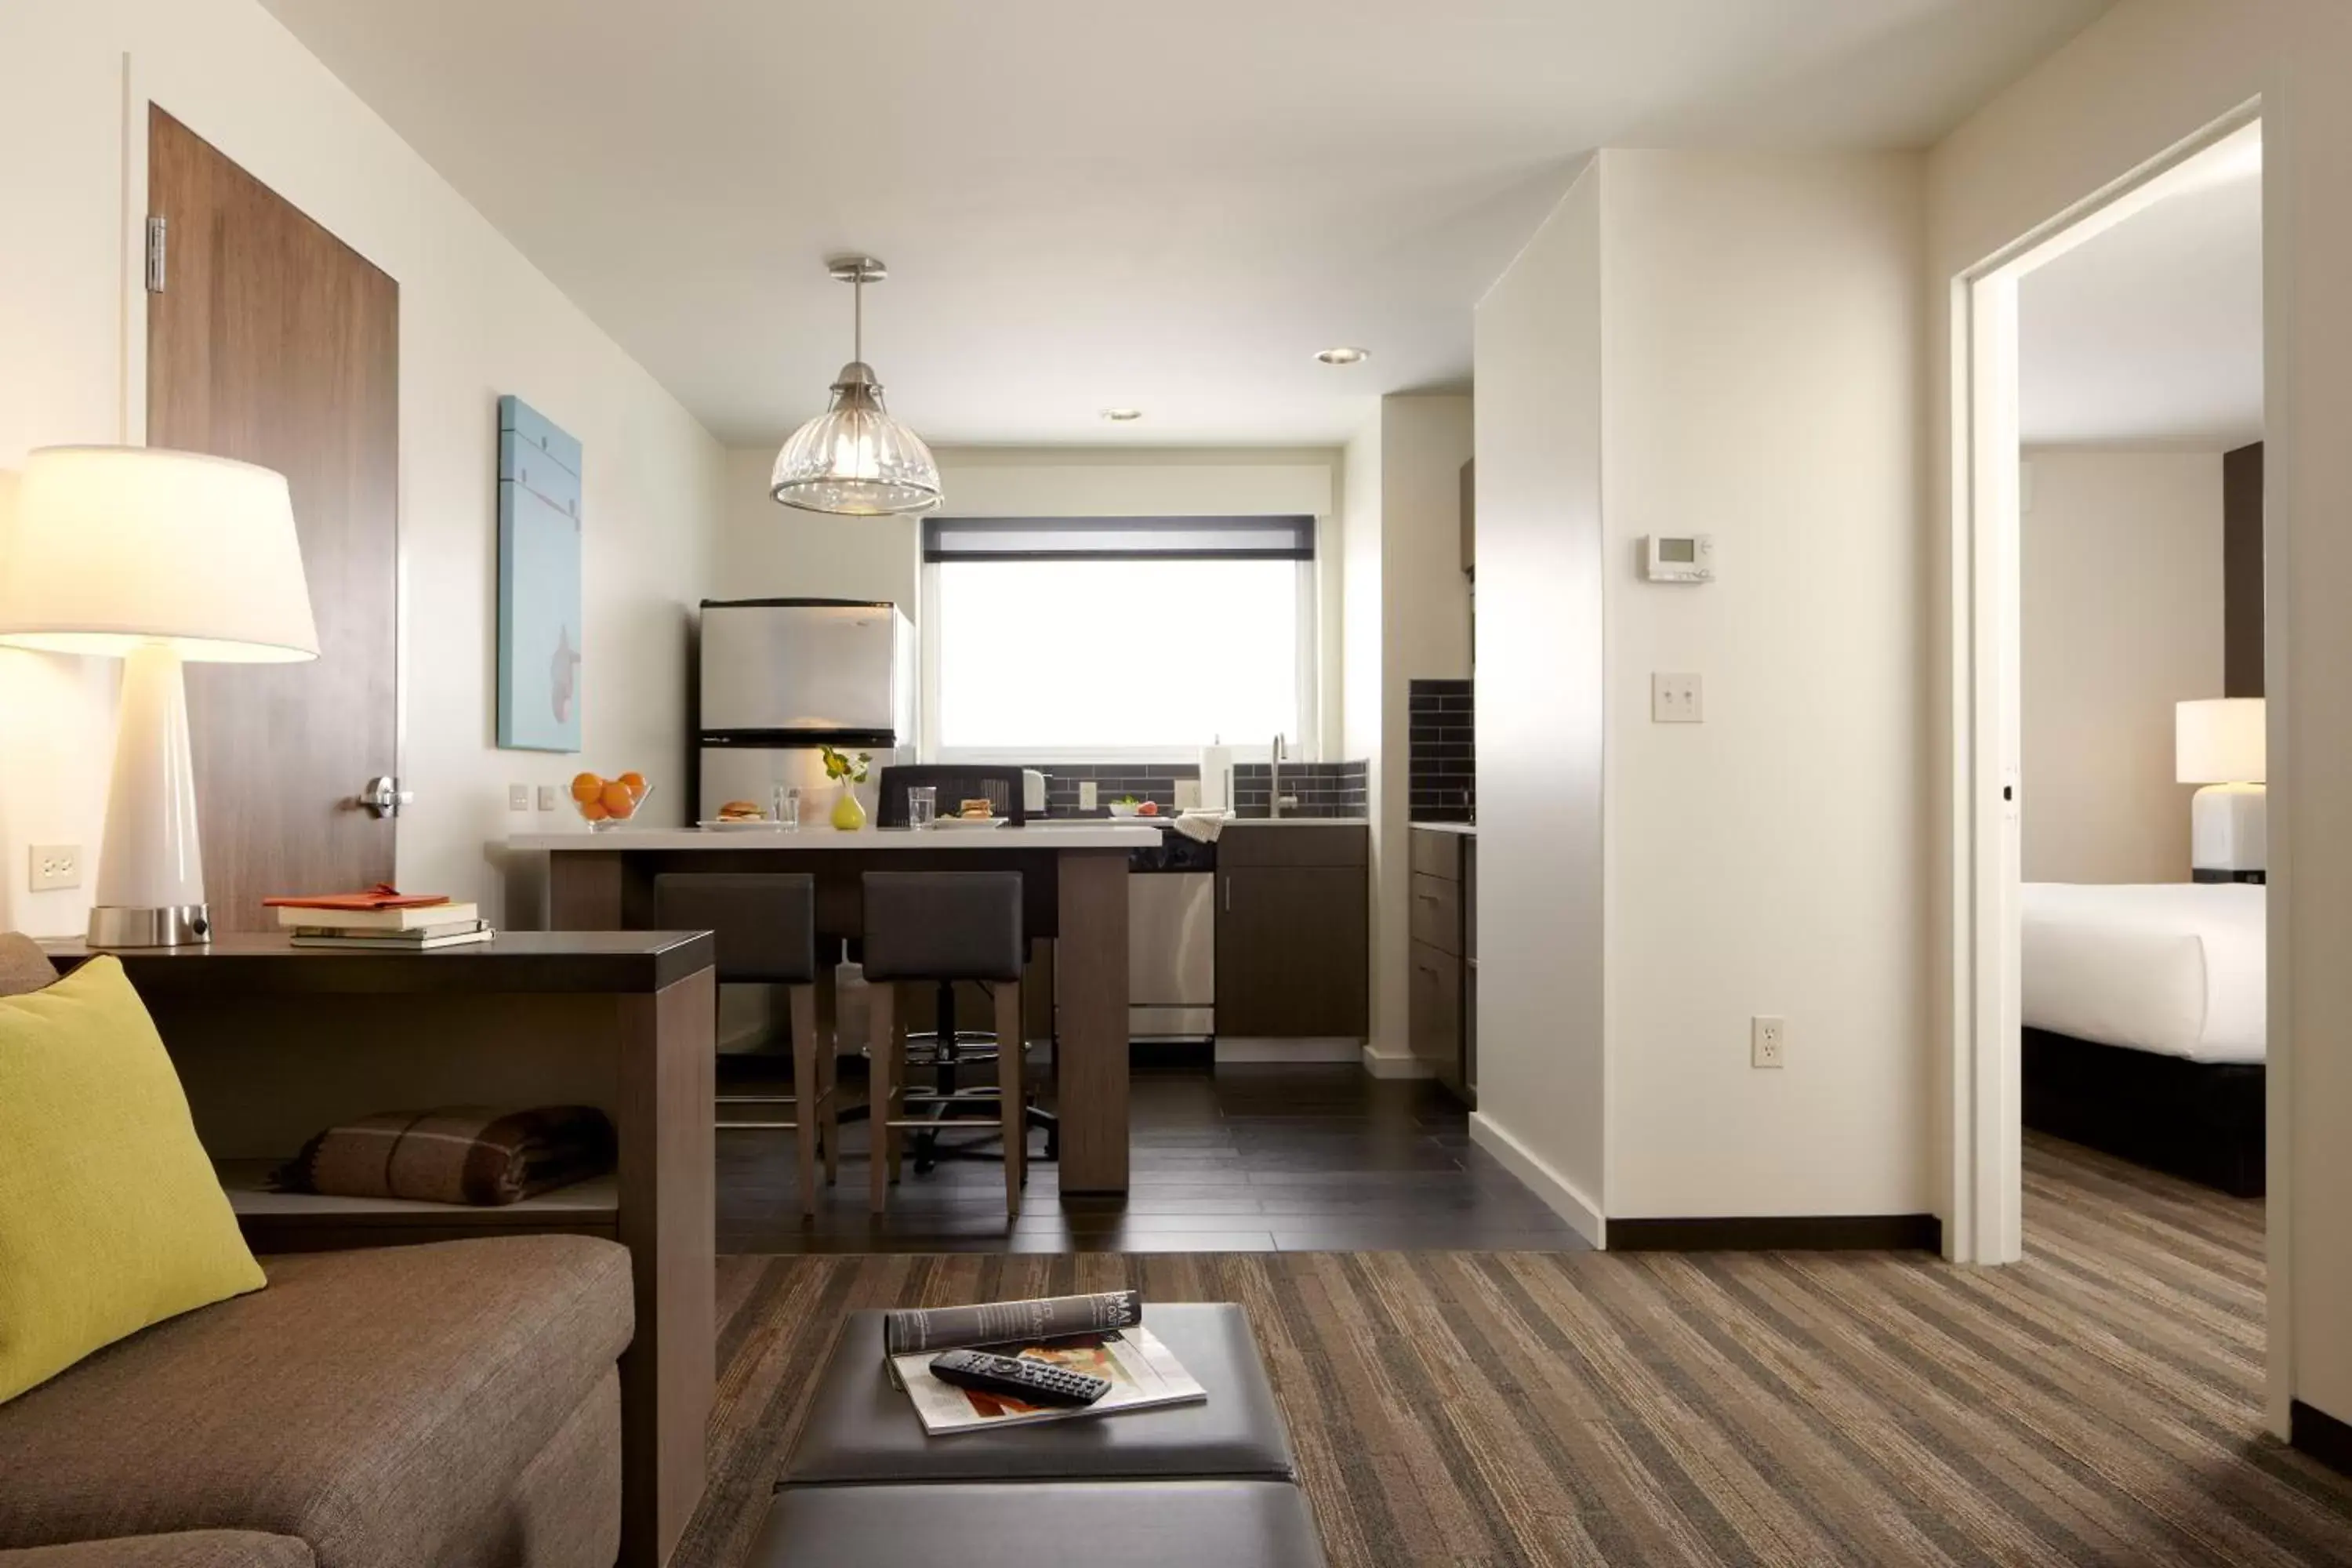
{"points": [[929, 927], [765, 923]]}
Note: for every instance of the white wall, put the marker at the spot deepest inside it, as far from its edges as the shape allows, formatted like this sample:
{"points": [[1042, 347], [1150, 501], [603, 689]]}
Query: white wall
{"points": [[767, 551], [2120, 572], [1540, 731], [1762, 380], [1407, 615], [476, 320]]}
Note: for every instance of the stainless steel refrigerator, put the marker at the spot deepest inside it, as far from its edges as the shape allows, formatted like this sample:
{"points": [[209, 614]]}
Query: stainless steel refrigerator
{"points": [[781, 676]]}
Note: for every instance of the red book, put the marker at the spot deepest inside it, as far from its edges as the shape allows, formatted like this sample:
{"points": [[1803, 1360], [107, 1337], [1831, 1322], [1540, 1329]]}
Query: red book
{"points": [[382, 896]]}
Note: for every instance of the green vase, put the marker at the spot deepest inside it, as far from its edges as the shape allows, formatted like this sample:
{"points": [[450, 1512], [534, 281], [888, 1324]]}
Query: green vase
{"points": [[848, 812]]}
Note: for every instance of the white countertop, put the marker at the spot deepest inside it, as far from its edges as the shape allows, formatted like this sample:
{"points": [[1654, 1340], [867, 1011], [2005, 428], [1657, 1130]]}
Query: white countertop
{"points": [[1462, 829], [1087, 835]]}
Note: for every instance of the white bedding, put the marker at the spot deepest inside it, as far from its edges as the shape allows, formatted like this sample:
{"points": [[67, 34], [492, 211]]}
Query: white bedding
{"points": [[2178, 968]]}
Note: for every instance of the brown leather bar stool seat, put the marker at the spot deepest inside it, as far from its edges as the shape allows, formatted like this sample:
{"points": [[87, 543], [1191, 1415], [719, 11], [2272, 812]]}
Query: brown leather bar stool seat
{"points": [[927, 928], [765, 923]]}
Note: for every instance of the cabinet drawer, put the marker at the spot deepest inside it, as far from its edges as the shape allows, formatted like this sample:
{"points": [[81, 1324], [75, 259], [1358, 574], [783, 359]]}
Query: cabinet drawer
{"points": [[1437, 913], [1436, 854], [1277, 844], [1434, 995]]}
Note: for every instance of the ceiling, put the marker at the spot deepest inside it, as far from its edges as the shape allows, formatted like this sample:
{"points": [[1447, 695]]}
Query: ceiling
{"points": [[1088, 202], [2151, 334]]}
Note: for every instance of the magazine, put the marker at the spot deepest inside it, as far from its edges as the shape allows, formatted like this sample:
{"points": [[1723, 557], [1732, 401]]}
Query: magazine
{"points": [[1143, 1374], [1002, 1322]]}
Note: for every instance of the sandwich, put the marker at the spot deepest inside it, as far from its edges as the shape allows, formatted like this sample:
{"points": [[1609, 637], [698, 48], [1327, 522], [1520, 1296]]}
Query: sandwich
{"points": [[741, 811]]}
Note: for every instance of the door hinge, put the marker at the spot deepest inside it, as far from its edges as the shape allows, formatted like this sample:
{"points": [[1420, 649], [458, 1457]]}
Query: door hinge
{"points": [[157, 229]]}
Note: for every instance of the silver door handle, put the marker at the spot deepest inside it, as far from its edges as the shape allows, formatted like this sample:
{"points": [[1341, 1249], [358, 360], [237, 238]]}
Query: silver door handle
{"points": [[382, 797]]}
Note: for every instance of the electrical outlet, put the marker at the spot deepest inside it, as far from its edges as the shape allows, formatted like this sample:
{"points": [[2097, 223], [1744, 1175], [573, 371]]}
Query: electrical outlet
{"points": [[1677, 699], [1086, 794], [55, 866], [518, 797], [1768, 1042], [547, 797]]}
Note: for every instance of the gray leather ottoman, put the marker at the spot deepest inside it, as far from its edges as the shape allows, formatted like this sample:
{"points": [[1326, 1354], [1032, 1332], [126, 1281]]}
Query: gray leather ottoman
{"points": [[1042, 1524], [861, 1430]]}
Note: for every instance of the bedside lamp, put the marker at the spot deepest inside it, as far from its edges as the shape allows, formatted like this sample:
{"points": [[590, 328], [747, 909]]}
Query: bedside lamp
{"points": [[2222, 744], [156, 558]]}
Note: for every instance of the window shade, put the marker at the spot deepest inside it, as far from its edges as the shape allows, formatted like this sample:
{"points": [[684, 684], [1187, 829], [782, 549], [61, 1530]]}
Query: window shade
{"points": [[1119, 539]]}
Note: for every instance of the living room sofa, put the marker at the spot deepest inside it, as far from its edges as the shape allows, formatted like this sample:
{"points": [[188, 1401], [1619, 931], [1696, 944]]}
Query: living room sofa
{"points": [[453, 1405]]}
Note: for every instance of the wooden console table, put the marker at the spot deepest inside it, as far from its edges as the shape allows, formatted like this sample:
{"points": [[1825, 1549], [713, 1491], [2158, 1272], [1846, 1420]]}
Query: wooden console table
{"points": [[274, 1042]]}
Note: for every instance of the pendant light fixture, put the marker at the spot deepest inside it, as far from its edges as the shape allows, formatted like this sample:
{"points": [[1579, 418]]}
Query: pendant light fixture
{"points": [[853, 459]]}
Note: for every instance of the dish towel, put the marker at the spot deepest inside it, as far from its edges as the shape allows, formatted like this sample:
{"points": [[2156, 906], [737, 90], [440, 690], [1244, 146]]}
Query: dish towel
{"points": [[1201, 826]]}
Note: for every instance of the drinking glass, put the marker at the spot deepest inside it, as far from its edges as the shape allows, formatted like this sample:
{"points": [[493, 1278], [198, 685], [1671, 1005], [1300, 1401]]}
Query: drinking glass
{"points": [[788, 808], [922, 805]]}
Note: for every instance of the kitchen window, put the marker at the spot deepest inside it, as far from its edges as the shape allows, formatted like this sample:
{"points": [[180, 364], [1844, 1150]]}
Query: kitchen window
{"points": [[1117, 638]]}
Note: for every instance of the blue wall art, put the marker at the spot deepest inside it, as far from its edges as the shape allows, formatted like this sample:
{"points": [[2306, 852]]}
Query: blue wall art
{"points": [[538, 581]]}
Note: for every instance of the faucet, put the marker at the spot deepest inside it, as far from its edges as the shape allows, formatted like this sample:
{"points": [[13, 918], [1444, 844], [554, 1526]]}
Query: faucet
{"points": [[1274, 779]]}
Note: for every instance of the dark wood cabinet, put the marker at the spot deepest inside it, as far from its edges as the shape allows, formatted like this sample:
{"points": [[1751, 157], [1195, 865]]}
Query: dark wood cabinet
{"points": [[1294, 932], [1441, 993]]}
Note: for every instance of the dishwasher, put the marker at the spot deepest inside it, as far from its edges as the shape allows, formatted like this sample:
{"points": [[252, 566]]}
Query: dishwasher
{"points": [[1172, 939]]}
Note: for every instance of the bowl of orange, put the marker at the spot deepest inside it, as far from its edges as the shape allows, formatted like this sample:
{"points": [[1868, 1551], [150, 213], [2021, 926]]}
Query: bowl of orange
{"points": [[608, 803]]}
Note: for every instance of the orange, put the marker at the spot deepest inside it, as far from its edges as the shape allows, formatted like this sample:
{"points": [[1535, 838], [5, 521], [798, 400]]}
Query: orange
{"points": [[636, 782], [592, 810], [617, 800], [586, 786]]}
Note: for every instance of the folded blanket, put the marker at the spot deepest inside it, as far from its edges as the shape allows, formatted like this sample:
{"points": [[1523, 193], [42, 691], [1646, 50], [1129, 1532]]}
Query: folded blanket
{"points": [[454, 1154]]}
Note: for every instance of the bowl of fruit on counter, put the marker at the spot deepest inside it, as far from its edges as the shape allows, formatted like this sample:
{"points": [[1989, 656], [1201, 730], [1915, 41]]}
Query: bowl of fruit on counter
{"points": [[608, 803], [1128, 806]]}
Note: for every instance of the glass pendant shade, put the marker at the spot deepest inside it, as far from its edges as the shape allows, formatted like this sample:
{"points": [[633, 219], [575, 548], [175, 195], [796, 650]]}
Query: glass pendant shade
{"points": [[853, 459]]}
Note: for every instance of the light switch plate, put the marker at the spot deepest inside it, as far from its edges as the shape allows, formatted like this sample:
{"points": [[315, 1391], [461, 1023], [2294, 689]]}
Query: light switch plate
{"points": [[1086, 794], [518, 797], [547, 797], [55, 866], [1677, 699]]}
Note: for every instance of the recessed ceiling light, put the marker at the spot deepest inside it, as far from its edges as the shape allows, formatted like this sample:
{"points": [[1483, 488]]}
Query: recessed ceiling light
{"points": [[1344, 356], [1122, 416]]}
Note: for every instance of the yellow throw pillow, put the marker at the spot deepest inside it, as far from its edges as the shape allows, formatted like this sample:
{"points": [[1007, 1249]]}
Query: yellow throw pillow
{"points": [[111, 1216]]}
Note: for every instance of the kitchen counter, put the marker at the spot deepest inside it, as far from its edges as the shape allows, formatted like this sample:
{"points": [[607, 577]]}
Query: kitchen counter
{"points": [[1464, 829], [1233, 822], [1102, 834]]}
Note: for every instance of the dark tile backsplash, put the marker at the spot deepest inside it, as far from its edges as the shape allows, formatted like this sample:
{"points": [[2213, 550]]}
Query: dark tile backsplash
{"points": [[1442, 767], [1321, 789], [1145, 781]]}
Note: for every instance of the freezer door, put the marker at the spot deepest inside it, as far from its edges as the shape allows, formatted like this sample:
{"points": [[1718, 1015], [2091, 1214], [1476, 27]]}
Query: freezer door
{"points": [[836, 669]]}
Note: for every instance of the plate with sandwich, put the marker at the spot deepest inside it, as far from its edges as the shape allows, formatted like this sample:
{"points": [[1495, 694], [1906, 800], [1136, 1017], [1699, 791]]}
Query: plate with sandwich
{"points": [[978, 812], [738, 816]]}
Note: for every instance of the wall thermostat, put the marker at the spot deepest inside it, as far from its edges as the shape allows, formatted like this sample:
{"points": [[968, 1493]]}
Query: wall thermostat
{"points": [[1686, 558]]}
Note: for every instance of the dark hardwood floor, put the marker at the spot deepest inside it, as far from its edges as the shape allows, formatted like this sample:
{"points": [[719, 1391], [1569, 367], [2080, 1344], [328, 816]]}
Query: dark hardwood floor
{"points": [[1235, 1159]]}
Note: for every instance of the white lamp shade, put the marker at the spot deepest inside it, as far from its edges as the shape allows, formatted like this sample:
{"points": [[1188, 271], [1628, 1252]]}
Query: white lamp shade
{"points": [[113, 547], [2221, 741]]}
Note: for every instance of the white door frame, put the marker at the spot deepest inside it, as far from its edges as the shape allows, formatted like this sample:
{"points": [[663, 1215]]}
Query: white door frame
{"points": [[1986, 1180]]}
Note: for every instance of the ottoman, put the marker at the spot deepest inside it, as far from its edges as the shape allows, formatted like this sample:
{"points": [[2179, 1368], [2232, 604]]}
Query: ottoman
{"points": [[1041, 1524], [861, 1430]]}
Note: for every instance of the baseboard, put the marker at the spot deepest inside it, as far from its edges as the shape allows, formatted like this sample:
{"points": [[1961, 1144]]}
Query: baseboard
{"points": [[1558, 1195], [2321, 1435], [1394, 1064], [1781, 1233], [1250, 1048]]}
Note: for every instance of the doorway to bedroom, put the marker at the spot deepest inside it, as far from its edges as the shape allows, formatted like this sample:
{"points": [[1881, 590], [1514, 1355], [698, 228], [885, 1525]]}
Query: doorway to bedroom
{"points": [[2138, 913]]}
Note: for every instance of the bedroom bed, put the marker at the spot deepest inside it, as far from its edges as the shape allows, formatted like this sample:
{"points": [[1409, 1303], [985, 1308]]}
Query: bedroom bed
{"points": [[2144, 1012]]}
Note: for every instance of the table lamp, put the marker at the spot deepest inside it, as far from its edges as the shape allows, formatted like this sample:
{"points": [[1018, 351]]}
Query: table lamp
{"points": [[156, 558], [2221, 744]]}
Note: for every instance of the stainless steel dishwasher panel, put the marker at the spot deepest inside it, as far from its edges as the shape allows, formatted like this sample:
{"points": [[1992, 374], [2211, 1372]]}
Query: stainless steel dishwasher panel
{"points": [[1171, 954]]}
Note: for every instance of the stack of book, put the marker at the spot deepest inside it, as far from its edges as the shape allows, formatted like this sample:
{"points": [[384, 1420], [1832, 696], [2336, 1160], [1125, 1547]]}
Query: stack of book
{"points": [[1101, 1335], [381, 921]]}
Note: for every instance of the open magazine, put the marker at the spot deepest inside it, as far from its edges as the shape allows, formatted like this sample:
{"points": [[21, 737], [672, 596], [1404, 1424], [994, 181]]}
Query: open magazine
{"points": [[1143, 1373]]}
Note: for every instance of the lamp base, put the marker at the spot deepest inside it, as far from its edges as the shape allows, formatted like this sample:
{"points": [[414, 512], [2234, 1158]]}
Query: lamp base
{"points": [[2229, 832], [175, 925]]}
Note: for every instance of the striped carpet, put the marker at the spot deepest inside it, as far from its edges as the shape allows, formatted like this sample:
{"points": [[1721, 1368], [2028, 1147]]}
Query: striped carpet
{"points": [[2098, 1403]]}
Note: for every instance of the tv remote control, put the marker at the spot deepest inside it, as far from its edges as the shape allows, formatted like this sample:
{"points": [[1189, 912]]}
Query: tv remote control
{"points": [[1020, 1377]]}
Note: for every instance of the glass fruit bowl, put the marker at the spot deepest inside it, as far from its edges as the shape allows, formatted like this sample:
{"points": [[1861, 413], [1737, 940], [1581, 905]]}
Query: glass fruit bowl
{"points": [[608, 803]]}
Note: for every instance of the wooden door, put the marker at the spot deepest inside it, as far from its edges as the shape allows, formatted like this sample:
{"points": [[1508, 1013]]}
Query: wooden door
{"points": [[272, 342], [1292, 951]]}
